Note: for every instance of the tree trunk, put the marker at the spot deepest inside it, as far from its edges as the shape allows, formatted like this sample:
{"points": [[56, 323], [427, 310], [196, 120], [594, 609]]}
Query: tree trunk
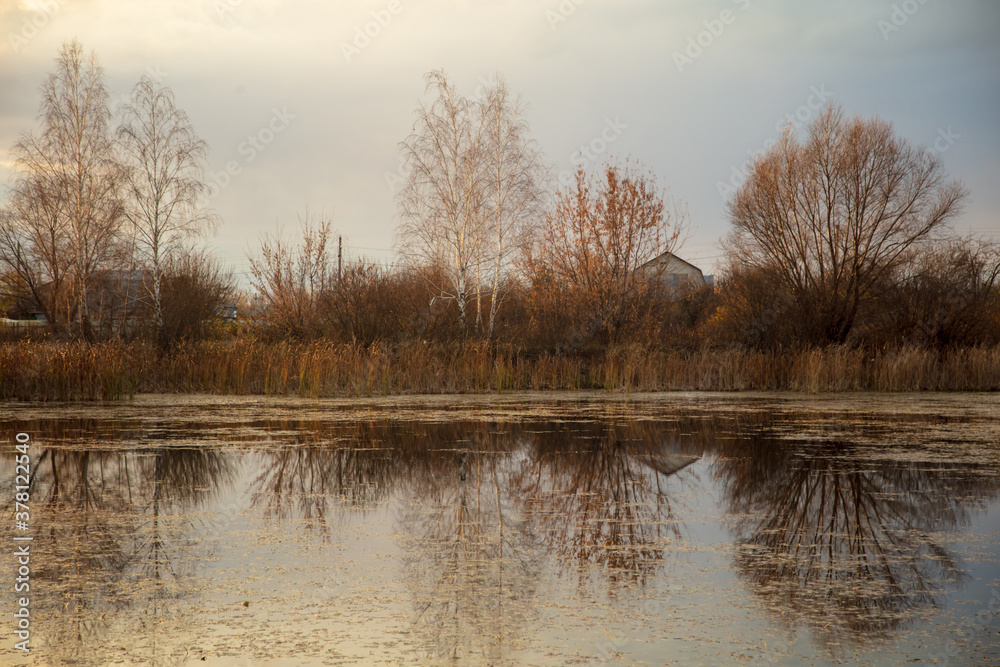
{"points": [[461, 300], [161, 332], [496, 285], [479, 303]]}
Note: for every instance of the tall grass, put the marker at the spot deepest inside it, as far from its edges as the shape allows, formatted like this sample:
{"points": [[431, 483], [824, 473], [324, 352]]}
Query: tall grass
{"points": [[115, 371], [72, 371]]}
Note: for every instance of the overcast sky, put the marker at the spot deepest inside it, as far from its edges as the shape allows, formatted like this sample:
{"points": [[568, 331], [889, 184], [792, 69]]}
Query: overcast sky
{"points": [[308, 110]]}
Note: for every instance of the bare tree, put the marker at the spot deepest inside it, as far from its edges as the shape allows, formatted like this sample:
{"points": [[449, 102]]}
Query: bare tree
{"points": [[194, 290], [34, 245], [292, 280], [441, 202], [163, 160], [514, 175], [836, 214], [66, 212], [950, 295], [473, 188]]}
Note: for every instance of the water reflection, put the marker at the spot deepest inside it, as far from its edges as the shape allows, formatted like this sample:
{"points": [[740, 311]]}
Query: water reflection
{"points": [[472, 563], [314, 470], [830, 534], [595, 494], [111, 532], [311, 483], [849, 543]]}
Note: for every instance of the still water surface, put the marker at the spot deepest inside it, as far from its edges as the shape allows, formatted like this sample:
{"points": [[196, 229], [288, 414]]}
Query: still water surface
{"points": [[525, 529]]}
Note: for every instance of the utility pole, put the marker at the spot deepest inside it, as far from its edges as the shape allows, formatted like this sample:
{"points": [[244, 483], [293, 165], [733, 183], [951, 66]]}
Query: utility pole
{"points": [[340, 254]]}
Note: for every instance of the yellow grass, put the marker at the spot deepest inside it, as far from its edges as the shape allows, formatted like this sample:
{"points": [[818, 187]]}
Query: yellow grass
{"points": [[115, 371]]}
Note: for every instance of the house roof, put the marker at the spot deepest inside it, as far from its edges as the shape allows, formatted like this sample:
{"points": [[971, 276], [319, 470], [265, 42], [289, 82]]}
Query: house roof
{"points": [[666, 258]]}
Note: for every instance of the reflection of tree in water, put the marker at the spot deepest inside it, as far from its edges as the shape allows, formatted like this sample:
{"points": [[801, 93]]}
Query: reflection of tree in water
{"points": [[471, 566], [824, 535], [301, 482], [174, 481], [477, 494], [847, 543], [101, 527], [469, 562], [324, 468], [595, 493]]}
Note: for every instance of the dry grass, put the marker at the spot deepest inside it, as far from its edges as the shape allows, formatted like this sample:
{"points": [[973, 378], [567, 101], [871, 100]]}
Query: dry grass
{"points": [[115, 371]]}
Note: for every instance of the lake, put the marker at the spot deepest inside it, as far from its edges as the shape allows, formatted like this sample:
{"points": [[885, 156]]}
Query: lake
{"points": [[544, 529]]}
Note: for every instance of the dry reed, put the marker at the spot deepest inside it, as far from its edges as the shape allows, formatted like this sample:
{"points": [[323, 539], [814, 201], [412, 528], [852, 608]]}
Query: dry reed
{"points": [[68, 371]]}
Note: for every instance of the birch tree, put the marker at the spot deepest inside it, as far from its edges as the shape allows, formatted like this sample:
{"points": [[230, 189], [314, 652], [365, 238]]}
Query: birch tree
{"points": [[514, 175], [64, 225], [472, 192], [441, 203], [163, 160]]}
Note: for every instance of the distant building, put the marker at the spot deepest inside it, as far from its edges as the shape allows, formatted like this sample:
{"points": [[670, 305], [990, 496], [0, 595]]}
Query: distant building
{"points": [[115, 303], [674, 273]]}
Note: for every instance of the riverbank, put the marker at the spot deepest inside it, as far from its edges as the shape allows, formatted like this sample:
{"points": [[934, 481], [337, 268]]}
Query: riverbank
{"points": [[116, 371]]}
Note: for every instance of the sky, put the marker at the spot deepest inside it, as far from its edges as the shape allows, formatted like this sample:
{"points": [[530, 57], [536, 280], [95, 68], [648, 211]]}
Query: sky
{"points": [[304, 103]]}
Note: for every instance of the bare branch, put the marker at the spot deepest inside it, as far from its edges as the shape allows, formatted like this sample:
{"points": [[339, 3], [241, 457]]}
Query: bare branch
{"points": [[836, 213], [163, 181]]}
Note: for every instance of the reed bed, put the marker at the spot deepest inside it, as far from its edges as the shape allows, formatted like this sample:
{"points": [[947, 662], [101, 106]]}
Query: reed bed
{"points": [[73, 371]]}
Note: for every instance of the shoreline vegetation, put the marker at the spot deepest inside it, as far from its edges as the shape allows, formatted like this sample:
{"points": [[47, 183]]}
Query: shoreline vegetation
{"points": [[115, 370], [841, 270]]}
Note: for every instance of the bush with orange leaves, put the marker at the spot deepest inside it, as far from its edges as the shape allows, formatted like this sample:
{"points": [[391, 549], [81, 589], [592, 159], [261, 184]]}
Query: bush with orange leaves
{"points": [[585, 272]]}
